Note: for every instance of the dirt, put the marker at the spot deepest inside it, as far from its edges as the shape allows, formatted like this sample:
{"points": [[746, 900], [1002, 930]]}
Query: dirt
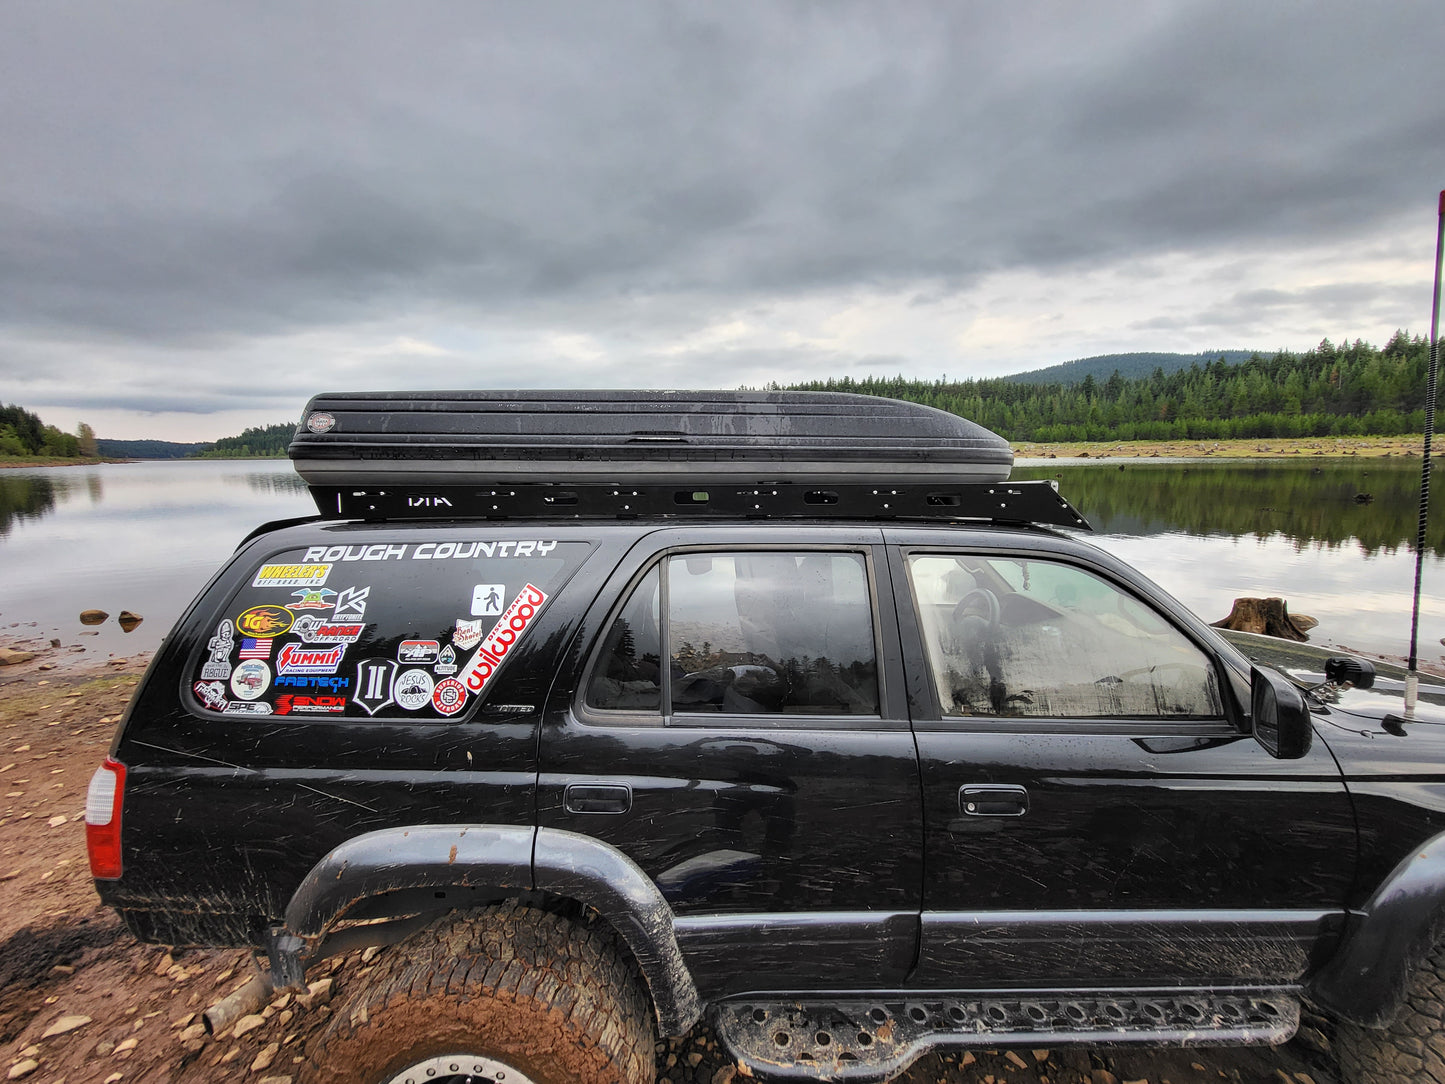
{"points": [[123, 1011]]}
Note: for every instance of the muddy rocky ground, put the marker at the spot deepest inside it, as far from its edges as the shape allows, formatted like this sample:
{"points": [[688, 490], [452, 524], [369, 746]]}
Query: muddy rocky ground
{"points": [[81, 1002]]}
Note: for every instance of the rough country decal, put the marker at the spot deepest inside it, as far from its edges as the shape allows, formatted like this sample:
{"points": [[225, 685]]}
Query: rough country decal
{"points": [[287, 703], [250, 679], [211, 694], [446, 661], [509, 629], [427, 551], [291, 576], [335, 684], [449, 697], [373, 684], [320, 630], [218, 667], [265, 621], [296, 659], [413, 689], [351, 604], [418, 652], [468, 634], [311, 599]]}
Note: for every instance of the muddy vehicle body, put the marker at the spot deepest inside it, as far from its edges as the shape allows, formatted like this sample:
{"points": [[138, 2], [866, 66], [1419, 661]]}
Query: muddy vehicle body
{"points": [[860, 755]]}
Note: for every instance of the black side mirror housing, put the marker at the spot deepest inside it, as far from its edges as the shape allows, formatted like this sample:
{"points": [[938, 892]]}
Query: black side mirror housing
{"points": [[1280, 718], [1346, 669]]}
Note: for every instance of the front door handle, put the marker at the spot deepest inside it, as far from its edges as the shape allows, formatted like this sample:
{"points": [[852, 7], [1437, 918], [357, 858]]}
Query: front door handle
{"points": [[993, 800], [597, 798]]}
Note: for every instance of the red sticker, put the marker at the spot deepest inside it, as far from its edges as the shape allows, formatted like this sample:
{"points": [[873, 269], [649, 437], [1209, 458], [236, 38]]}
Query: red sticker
{"points": [[449, 696]]}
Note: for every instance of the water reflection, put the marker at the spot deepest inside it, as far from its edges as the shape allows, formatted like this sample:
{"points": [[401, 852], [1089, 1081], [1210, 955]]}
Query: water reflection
{"points": [[25, 497]]}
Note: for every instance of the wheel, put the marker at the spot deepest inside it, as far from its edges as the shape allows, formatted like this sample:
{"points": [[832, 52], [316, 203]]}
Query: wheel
{"points": [[1412, 1049], [510, 995]]}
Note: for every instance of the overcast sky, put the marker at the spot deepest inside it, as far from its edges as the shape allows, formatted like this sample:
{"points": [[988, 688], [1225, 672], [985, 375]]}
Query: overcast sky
{"points": [[209, 212]]}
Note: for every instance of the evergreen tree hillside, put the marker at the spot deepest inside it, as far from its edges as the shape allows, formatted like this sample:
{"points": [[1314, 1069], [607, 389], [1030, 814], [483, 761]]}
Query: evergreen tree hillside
{"points": [[259, 440]]}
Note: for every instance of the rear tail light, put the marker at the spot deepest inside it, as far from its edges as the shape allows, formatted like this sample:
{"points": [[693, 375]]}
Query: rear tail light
{"points": [[102, 819]]}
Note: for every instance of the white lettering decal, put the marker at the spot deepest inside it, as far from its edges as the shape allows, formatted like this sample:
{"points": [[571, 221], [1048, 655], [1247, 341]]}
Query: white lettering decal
{"points": [[524, 549], [505, 633], [313, 553], [423, 551], [544, 548]]}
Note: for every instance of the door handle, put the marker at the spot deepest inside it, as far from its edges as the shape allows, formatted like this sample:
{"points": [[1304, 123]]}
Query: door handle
{"points": [[597, 798], [993, 800]]}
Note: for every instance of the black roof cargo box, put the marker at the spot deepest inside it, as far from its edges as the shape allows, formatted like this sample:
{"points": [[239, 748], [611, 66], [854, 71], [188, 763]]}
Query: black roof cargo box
{"points": [[636, 437]]}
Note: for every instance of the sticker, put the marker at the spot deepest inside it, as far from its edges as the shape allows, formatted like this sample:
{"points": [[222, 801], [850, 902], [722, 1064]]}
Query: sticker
{"points": [[418, 652], [321, 630], [468, 634], [236, 707], [428, 551], [378, 552], [265, 620], [211, 694], [296, 659], [255, 649], [352, 603], [449, 696], [218, 668], [296, 681], [446, 661], [487, 599], [301, 704], [291, 576], [413, 689], [311, 598], [373, 684], [510, 709], [510, 628], [250, 679]]}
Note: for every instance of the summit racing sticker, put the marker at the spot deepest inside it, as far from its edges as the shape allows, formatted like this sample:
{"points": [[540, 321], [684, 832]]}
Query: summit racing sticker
{"points": [[265, 620], [297, 659], [291, 576], [505, 634]]}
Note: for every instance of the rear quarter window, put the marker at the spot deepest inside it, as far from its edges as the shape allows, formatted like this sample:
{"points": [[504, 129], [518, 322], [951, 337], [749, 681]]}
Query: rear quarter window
{"points": [[412, 629]]}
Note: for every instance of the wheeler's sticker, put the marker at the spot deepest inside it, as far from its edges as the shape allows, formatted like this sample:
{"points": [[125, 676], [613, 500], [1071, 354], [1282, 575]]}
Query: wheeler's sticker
{"points": [[303, 704], [446, 661], [449, 696], [300, 659], [351, 604], [211, 694], [505, 634], [417, 652], [487, 599], [302, 681], [428, 551], [413, 689], [218, 667], [325, 630], [311, 598], [265, 620], [374, 678], [291, 575], [238, 707], [250, 679], [255, 648], [468, 634]]}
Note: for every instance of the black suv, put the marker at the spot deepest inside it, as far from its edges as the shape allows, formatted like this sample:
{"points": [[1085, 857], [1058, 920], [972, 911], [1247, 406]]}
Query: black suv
{"points": [[610, 710]]}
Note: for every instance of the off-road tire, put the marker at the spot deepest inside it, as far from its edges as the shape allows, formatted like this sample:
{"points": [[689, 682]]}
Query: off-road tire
{"points": [[1412, 1049], [549, 997]]}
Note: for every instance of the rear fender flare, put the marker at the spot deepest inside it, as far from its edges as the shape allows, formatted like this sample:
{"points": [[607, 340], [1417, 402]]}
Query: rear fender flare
{"points": [[509, 859]]}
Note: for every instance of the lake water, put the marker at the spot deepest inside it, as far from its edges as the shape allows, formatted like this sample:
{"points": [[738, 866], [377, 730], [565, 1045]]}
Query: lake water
{"points": [[147, 536]]}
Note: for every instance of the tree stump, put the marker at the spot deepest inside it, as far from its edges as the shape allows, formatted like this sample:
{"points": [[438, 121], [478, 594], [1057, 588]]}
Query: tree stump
{"points": [[1266, 616]]}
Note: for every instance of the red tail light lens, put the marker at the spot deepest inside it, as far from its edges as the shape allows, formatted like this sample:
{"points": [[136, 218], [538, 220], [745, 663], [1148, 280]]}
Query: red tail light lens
{"points": [[102, 819]]}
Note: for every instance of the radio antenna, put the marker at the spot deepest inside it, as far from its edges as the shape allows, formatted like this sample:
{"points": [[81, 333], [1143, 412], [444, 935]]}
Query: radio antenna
{"points": [[1412, 676]]}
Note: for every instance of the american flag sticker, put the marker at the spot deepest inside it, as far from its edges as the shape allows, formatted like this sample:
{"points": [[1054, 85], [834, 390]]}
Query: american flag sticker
{"points": [[255, 649]]}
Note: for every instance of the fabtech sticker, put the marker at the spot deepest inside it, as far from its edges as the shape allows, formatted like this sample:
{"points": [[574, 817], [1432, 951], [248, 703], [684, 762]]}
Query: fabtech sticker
{"points": [[265, 621], [291, 576], [505, 634], [298, 659]]}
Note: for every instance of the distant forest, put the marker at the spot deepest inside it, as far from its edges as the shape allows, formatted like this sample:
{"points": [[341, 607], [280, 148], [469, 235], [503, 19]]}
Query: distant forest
{"points": [[1345, 390], [259, 440], [24, 434]]}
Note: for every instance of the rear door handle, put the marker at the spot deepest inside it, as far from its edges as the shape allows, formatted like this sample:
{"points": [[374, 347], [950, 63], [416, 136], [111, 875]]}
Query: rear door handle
{"points": [[597, 798], [993, 800]]}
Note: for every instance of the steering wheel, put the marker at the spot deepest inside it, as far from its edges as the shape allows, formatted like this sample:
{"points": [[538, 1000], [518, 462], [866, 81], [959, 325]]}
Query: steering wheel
{"points": [[977, 613]]}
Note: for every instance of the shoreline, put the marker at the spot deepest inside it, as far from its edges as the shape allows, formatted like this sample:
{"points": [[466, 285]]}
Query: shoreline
{"points": [[1295, 447]]}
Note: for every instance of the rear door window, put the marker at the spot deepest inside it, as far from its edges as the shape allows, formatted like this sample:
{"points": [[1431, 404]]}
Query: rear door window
{"points": [[370, 629]]}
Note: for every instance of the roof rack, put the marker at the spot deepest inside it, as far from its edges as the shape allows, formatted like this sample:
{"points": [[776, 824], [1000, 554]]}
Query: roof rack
{"points": [[611, 454]]}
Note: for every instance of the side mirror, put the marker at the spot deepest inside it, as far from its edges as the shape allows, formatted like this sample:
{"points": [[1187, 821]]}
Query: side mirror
{"points": [[1281, 720], [1346, 669]]}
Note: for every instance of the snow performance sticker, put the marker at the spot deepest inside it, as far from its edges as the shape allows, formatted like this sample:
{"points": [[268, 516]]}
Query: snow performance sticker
{"points": [[509, 629]]}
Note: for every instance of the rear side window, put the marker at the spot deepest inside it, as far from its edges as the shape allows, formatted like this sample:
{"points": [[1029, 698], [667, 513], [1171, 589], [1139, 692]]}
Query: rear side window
{"points": [[748, 633], [413, 629]]}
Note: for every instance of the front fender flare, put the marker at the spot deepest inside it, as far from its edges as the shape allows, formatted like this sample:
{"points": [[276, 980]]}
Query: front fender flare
{"points": [[510, 858], [1364, 982]]}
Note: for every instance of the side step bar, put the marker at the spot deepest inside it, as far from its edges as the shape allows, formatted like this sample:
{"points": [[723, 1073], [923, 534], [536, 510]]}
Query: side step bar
{"points": [[873, 1040]]}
